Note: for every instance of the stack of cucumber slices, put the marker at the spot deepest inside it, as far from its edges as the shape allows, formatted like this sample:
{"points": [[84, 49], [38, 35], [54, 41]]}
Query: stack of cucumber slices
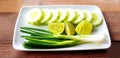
{"points": [[37, 16]]}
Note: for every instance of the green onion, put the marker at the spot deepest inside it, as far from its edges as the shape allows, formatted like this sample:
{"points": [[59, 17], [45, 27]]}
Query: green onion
{"points": [[33, 43], [27, 31], [36, 29], [39, 38]]}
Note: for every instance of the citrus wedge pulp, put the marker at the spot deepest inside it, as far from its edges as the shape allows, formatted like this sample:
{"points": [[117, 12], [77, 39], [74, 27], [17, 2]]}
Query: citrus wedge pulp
{"points": [[69, 28], [56, 28], [84, 28]]}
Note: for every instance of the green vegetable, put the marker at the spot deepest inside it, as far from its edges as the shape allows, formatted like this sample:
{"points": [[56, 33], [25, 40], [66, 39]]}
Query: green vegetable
{"points": [[34, 16], [88, 15], [36, 29], [34, 32], [55, 16], [97, 19], [47, 44], [43, 16], [45, 38], [71, 15], [80, 16], [47, 15], [63, 15], [37, 40]]}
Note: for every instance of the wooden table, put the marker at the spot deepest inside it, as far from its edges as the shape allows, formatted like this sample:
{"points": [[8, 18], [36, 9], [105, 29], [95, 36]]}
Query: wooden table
{"points": [[111, 11]]}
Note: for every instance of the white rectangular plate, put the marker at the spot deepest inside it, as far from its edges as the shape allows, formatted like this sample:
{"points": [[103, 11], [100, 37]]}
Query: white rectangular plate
{"points": [[18, 41]]}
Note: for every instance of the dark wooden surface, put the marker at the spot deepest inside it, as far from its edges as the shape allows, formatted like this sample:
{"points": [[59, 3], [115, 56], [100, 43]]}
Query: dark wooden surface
{"points": [[112, 16]]}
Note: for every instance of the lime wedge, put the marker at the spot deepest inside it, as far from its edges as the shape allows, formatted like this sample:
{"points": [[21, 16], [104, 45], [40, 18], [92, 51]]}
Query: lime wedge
{"points": [[69, 28], [56, 28], [84, 28], [34, 16]]}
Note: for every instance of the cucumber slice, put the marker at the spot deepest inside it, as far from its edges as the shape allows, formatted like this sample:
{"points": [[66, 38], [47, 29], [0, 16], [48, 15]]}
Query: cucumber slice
{"points": [[63, 15], [97, 19], [71, 15], [88, 15], [34, 16], [55, 16], [47, 15], [80, 16]]}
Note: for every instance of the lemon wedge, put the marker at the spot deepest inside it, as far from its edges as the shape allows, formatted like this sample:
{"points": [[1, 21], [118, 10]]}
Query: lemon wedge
{"points": [[84, 28], [69, 28], [56, 28]]}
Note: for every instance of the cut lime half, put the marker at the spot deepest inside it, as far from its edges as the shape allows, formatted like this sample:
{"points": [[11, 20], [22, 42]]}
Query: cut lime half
{"points": [[84, 28], [56, 28], [69, 28]]}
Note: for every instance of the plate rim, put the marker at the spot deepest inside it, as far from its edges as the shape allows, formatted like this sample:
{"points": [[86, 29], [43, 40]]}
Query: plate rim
{"points": [[15, 28]]}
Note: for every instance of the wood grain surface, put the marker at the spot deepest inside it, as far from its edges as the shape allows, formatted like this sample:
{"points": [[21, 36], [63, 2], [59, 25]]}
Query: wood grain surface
{"points": [[111, 12], [10, 5], [105, 5]]}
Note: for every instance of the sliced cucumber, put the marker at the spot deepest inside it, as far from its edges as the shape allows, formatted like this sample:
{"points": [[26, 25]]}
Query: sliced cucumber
{"points": [[63, 15], [47, 15], [34, 16], [88, 15], [55, 16], [80, 16], [71, 15], [97, 19]]}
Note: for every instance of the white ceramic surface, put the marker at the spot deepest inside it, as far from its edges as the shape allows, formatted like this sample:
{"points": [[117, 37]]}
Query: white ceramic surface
{"points": [[102, 29]]}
